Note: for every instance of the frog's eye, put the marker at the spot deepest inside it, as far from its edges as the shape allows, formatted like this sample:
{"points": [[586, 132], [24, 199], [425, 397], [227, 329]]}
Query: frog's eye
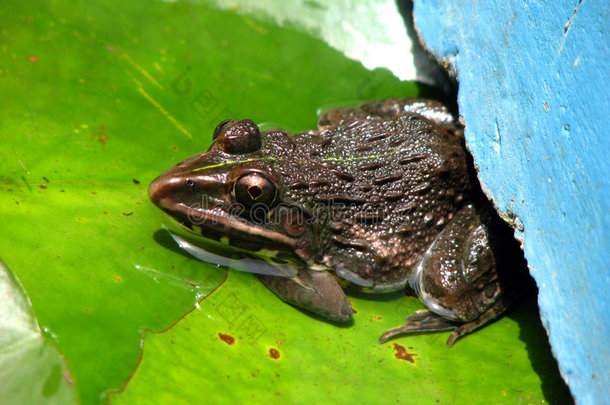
{"points": [[254, 189], [219, 128], [237, 137]]}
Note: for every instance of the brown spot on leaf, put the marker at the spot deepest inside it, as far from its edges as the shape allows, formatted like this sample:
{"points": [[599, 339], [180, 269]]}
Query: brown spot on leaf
{"points": [[43, 186], [402, 354], [228, 339], [68, 378], [351, 304], [101, 136], [274, 353]]}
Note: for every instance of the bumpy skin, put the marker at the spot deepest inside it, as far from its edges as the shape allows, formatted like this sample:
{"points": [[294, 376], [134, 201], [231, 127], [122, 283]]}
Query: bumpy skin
{"points": [[381, 196], [380, 182]]}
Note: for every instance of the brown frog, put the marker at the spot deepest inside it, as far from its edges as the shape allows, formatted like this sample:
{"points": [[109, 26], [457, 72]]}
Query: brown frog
{"points": [[380, 197]]}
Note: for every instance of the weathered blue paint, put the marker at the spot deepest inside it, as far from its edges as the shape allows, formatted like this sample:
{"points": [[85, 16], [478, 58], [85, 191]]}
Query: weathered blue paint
{"points": [[535, 95]]}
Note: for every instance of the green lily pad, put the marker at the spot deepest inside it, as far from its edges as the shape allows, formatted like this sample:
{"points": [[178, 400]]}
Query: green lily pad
{"points": [[32, 370], [99, 98], [242, 344]]}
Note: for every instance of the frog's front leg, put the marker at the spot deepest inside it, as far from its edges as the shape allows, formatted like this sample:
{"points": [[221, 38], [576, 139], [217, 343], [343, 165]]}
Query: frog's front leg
{"points": [[466, 277], [315, 291]]}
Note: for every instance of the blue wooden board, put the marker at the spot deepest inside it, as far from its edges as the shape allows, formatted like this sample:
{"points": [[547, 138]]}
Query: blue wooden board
{"points": [[534, 92]]}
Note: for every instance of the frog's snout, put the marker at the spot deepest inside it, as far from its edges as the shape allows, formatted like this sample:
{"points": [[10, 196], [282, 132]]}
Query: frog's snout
{"points": [[161, 190], [154, 191]]}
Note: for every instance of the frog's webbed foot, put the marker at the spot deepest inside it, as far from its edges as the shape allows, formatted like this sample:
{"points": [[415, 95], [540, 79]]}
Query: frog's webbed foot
{"points": [[492, 313], [315, 291], [422, 321], [425, 321]]}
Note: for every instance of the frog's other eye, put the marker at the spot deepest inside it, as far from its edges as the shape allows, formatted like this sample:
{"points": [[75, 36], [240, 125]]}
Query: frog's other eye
{"points": [[254, 189], [189, 183], [237, 137]]}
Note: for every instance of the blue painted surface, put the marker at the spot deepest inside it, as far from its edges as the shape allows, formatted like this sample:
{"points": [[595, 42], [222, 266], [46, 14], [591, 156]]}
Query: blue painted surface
{"points": [[535, 95]]}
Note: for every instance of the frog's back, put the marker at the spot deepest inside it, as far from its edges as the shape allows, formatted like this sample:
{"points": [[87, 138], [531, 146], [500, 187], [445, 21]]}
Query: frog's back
{"points": [[380, 188]]}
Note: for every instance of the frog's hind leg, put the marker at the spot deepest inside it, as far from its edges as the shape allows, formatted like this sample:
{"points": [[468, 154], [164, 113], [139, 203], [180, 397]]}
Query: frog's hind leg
{"points": [[466, 278]]}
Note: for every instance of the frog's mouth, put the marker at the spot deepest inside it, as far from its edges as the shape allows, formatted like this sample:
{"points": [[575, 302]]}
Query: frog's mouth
{"points": [[269, 253], [230, 234], [210, 251], [231, 229]]}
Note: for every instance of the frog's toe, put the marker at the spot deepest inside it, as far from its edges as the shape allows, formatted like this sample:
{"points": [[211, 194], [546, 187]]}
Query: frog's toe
{"points": [[315, 291], [491, 314], [422, 321], [425, 321]]}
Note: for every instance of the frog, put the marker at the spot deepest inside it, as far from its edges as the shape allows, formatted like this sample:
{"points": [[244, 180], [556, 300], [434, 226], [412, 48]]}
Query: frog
{"points": [[381, 197]]}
